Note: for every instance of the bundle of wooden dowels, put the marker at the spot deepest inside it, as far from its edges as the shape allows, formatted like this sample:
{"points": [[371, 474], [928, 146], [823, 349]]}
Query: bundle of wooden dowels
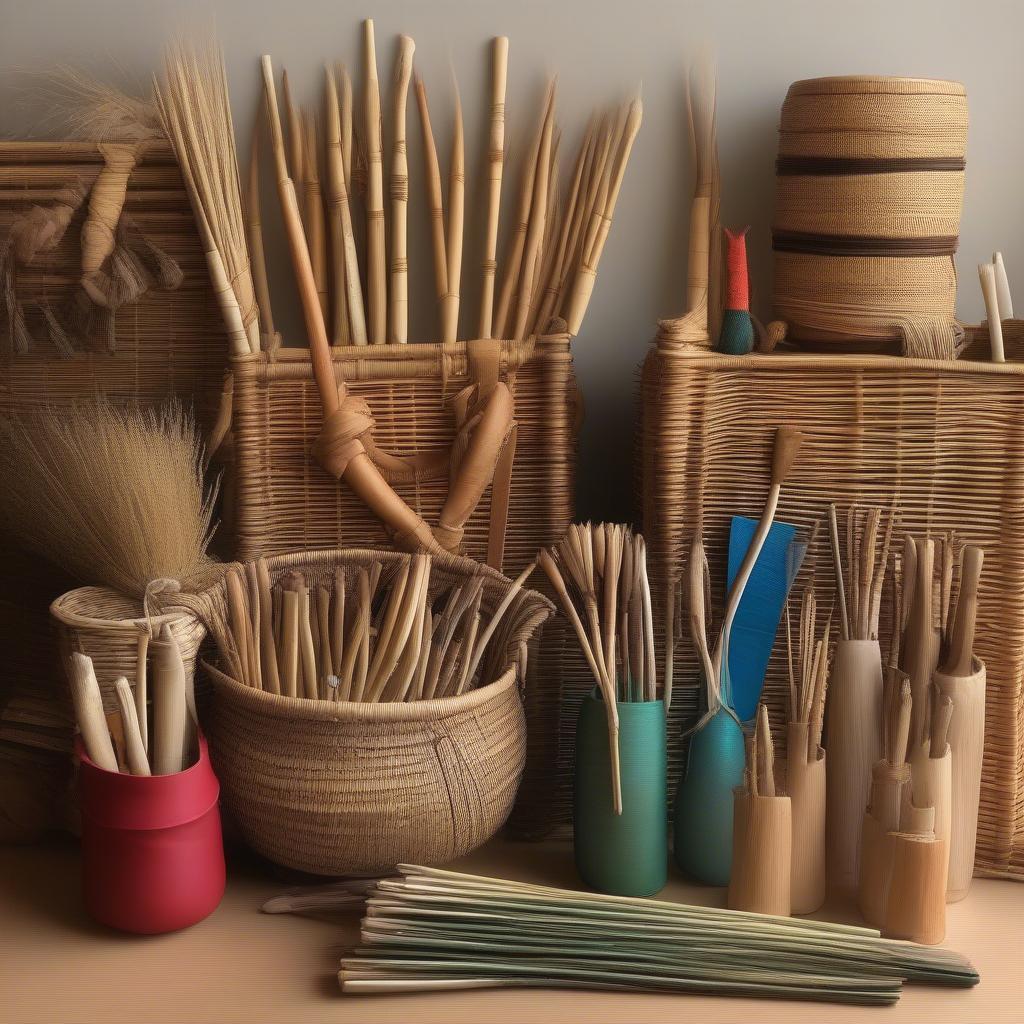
{"points": [[132, 739], [552, 249], [860, 591], [372, 634], [599, 573], [995, 290]]}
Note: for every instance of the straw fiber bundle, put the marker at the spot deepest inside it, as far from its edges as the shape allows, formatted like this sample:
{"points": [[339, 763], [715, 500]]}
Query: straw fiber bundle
{"points": [[336, 787], [164, 343], [867, 213], [877, 430]]}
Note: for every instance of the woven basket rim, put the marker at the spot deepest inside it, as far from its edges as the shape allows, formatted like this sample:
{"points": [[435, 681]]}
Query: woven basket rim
{"points": [[75, 619], [837, 361], [874, 85], [302, 709]]}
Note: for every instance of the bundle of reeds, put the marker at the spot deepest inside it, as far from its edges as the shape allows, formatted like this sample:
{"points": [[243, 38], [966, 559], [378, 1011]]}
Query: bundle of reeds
{"points": [[114, 496], [434, 930], [599, 574], [374, 635], [808, 671], [553, 250]]}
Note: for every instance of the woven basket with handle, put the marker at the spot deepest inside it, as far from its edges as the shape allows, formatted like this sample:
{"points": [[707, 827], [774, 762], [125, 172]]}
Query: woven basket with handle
{"points": [[342, 787], [943, 439], [420, 399]]}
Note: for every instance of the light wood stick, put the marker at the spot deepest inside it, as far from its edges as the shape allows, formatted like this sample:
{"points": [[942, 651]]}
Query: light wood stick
{"points": [[386, 653], [650, 668], [514, 258], [375, 230], [257, 253], [765, 753], [424, 650], [536, 227], [307, 647], [435, 203], [135, 751], [346, 127], [336, 188], [88, 703], [337, 627], [252, 587], [867, 571], [316, 229], [239, 616], [960, 655], [901, 732], [289, 643], [495, 165], [837, 562], [268, 651], [141, 685], [987, 275], [942, 715], [1003, 299], [296, 148], [399, 295], [171, 738], [580, 214], [354, 642], [456, 214], [477, 651]]}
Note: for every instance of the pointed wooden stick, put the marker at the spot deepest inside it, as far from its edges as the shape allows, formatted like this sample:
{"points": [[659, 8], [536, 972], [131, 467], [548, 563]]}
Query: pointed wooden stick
{"points": [[88, 704], [268, 652], [340, 333], [456, 213], [375, 230], [257, 254], [290, 643], [399, 295], [765, 766], [296, 148], [514, 258], [138, 763], [495, 164], [435, 203], [316, 231]]}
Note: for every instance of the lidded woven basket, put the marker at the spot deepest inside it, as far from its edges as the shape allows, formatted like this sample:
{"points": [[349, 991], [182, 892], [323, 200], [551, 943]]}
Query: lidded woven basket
{"points": [[335, 788], [869, 190]]}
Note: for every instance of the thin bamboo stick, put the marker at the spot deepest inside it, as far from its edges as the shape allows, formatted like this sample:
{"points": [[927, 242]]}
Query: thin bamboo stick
{"points": [[340, 332], [456, 213], [435, 202], [399, 294], [257, 253], [314, 213], [495, 165], [375, 228]]}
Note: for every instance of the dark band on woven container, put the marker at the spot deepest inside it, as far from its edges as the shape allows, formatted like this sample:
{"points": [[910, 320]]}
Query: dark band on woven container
{"points": [[862, 245], [787, 166]]}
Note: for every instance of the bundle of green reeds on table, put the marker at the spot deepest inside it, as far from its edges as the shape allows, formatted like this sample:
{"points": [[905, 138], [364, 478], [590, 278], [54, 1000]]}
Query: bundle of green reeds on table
{"points": [[432, 930]]}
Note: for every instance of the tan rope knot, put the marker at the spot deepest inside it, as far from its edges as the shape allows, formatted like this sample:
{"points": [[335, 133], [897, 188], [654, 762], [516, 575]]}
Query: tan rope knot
{"points": [[340, 439]]}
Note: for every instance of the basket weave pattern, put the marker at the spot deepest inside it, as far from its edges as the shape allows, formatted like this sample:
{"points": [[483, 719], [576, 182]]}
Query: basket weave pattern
{"points": [[944, 440], [341, 787]]}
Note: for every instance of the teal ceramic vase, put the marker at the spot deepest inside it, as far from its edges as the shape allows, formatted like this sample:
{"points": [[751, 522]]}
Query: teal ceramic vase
{"points": [[702, 826], [622, 854]]}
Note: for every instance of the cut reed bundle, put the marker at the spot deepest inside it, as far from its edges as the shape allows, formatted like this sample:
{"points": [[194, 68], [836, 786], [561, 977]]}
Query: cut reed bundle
{"points": [[376, 633], [196, 114], [115, 496], [609, 607], [433, 930], [552, 254]]}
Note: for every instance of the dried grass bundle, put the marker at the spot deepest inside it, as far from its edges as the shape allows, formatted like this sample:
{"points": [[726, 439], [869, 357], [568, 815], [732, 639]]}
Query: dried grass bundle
{"points": [[196, 115], [114, 496]]}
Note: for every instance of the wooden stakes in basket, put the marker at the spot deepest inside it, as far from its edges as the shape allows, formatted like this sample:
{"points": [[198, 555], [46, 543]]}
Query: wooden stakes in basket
{"points": [[375, 230], [327, 644], [399, 294], [495, 165]]}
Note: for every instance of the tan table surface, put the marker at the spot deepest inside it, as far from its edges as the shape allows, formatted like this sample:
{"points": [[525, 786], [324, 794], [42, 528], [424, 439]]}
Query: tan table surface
{"points": [[57, 967]]}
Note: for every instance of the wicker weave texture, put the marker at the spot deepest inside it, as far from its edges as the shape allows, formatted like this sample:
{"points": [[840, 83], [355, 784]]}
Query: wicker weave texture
{"points": [[286, 502], [944, 440], [337, 787], [168, 343]]}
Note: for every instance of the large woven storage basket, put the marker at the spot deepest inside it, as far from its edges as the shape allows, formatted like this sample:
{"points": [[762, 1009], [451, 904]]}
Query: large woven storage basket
{"points": [[945, 440], [169, 343], [869, 188], [286, 502], [339, 787]]}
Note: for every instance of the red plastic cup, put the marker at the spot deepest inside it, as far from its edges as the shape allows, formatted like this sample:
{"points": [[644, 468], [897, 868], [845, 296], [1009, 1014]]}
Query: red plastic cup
{"points": [[152, 849]]}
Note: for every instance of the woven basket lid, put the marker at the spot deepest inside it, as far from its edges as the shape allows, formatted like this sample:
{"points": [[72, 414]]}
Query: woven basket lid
{"points": [[879, 85]]}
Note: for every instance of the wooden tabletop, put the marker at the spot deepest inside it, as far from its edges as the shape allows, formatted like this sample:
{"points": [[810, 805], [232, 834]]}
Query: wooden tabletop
{"points": [[238, 965]]}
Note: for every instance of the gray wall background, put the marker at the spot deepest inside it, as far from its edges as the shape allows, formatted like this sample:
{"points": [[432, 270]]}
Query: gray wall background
{"points": [[601, 51]]}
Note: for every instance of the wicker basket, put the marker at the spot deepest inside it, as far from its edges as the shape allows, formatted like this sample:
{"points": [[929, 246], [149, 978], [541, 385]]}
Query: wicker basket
{"points": [[350, 788], [286, 502], [168, 343], [867, 213], [108, 627], [942, 439]]}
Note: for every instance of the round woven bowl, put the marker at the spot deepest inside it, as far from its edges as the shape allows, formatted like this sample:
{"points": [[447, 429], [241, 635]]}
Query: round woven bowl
{"points": [[341, 788], [107, 626]]}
